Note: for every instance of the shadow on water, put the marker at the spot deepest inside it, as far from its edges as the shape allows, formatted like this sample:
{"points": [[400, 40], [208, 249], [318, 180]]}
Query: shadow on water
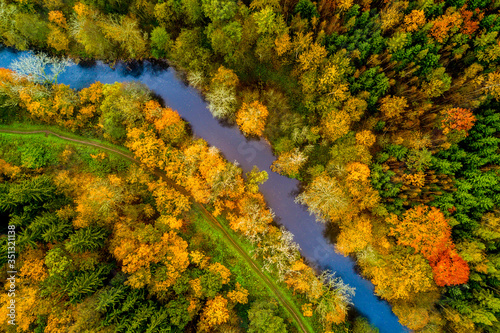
{"points": [[133, 69], [87, 64], [332, 232]]}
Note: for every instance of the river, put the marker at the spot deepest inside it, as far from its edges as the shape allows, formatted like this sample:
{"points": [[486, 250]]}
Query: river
{"points": [[278, 190]]}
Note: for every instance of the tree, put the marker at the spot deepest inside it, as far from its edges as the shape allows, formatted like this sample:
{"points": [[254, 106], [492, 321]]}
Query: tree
{"points": [[161, 43], [225, 39], [391, 279], [86, 30], [39, 68], [146, 147], [325, 198], [450, 269], [393, 106], [279, 251], [239, 295], [458, 119], [313, 57], [58, 37], [215, 313], [263, 318], [126, 33], [219, 10], [354, 236], [445, 24], [414, 20], [168, 123], [336, 124], [255, 178], [221, 270], [289, 163], [365, 138], [222, 93], [57, 17], [306, 9], [438, 81], [253, 217], [251, 118], [33, 268], [424, 229], [413, 317], [168, 200]]}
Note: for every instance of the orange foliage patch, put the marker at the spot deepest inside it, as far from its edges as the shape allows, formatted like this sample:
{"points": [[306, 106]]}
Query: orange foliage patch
{"points": [[450, 269], [458, 119]]}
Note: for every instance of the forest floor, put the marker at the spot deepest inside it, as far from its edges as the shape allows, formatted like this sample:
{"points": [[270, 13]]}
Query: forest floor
{"points": [[231, 240]]}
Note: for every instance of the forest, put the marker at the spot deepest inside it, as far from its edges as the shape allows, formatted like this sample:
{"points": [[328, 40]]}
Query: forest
{"points": [[100, 237], [386, 111]]}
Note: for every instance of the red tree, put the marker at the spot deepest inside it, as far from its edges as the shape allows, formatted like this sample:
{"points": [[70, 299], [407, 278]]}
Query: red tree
{"points": [[458, 119], [450, 269]]}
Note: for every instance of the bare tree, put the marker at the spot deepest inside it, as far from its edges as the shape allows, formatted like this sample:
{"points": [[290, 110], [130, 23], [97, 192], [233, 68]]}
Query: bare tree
{"points": [[39, 68]]}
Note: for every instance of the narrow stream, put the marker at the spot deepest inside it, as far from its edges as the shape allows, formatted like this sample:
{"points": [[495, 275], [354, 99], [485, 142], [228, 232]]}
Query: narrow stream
{"points": [[279, 191]]}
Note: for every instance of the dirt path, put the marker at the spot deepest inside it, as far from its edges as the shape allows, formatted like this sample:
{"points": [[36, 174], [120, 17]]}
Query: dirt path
{"points": [[215, 223]]}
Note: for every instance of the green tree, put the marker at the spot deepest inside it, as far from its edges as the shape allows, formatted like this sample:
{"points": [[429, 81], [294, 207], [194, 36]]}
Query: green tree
{"points": [[264, 319], [161, 43]]}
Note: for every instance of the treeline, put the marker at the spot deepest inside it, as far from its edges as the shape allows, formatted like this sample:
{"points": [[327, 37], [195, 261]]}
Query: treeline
{"points": [[381, 108], [126, 113]]}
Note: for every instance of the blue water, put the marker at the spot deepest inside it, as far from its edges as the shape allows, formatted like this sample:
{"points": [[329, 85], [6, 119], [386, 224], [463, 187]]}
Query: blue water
{"points": [[279, 191]]}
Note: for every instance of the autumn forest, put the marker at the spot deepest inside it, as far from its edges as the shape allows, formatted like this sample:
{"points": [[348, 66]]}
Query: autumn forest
{"points": [[387, 112]]}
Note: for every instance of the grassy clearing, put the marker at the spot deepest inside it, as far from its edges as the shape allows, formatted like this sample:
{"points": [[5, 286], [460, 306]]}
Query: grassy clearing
{"points": [[223, 251], [36, 151], [25, 126]]}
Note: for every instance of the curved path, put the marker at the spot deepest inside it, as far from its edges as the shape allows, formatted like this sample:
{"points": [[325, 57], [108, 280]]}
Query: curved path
{"points": [[215, 223]]}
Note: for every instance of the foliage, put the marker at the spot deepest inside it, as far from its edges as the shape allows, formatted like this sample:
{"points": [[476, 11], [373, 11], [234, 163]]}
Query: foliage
{"points": [[412, 83]]}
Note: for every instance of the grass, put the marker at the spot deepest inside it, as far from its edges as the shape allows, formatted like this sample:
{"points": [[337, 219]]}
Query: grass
{"points": [[221, 245], [34, 151], [24, 126]]}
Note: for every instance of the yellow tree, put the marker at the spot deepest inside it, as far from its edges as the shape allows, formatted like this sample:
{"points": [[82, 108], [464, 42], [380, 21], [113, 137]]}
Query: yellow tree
{"points": [[393, 106], [414, 20], [99, 200], [239, 295], [214, 314], [222, 270], [312, 58], [167, 122], [252, 218], [365, 138], [146, 147], [391, 278], [57, 38], [168, 200], [33, 268], [336, 124], [251, 118], [289, 163], [325, 197], [355, 235]]}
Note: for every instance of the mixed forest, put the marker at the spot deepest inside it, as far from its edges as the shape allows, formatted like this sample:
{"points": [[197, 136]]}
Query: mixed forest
{"points": [[387, 111], [113, 246]]}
